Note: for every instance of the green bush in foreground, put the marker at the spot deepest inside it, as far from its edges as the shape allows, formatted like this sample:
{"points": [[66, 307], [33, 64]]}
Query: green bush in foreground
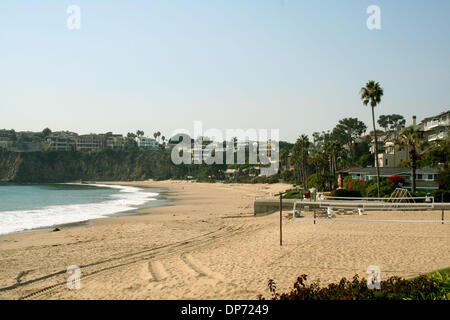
{"points": [[435, 286], [386, 189], [356, 185], [293, 194]]}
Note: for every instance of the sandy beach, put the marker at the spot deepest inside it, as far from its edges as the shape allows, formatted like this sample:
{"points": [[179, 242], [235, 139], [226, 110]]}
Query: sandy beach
{"points": [[209, 245]]}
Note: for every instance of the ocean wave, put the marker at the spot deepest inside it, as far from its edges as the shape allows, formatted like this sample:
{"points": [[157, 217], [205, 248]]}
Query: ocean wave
{"points": [[127, 198]]}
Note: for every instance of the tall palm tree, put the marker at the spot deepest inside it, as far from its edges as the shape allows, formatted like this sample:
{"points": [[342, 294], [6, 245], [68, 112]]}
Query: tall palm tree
{"points": [[333, 150], [284, 155], [411, 139], [315, 159], [372, 94], [300, 156]]}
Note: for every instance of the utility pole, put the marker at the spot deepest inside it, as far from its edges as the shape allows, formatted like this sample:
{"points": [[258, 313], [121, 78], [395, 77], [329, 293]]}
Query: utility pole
{"points": [[281, 216], [281, 219]]}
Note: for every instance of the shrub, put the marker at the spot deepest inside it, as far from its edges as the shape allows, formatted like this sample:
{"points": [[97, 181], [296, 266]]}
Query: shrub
{"points": [[431, 287], [273, 179], [356, 185], [293, 194], [345, 193], [371, 190], [386, 189], [346, 180], [311, 181], [444, 179], [418, 194], [442, 195], [396, 180]]}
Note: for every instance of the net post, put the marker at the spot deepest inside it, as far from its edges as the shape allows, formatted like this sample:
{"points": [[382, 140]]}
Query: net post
{"points": [[314, 215], [281, 216], [442, 215]]}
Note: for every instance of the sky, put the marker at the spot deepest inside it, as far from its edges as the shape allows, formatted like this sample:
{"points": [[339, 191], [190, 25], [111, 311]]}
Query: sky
{"points": [[296, 66]]}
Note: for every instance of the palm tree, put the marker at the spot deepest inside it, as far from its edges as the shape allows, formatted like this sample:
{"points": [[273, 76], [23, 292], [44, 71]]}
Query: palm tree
{"points": [[372, 94], [131, 142], [300, 156], [411, 139], [284, 155], [131, 135], [140, 133], [156, 135], [333, 150]]}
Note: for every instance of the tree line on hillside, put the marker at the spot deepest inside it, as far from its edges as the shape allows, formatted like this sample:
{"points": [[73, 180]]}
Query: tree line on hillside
{"points": [[316, 162]]}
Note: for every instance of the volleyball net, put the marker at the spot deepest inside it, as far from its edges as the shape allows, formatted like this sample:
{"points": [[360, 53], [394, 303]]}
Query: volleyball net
{"points": [[342, 208]]}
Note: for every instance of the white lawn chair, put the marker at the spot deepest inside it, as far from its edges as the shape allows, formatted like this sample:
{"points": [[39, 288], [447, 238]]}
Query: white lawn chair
{"points": [[330, 213]]}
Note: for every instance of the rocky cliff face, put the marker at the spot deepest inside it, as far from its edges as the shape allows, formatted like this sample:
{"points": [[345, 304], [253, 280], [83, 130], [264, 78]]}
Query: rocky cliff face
{"points": [[61, 166], [9, 165]]}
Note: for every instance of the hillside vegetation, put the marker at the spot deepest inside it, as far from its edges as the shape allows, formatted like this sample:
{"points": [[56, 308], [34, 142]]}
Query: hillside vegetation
{"points": [[62, 166]]}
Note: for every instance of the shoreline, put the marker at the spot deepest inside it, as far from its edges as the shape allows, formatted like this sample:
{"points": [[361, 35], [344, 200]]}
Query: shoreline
{"points": [[209, 245], [159, 200]]}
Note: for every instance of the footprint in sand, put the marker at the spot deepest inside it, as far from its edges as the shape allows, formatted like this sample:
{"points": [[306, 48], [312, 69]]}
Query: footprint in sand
{"points": [[157, 271], [199, 268]]}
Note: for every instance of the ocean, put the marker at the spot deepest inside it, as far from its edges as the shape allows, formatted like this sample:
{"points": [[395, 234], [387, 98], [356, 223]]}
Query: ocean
{"points": [[31, 206]]}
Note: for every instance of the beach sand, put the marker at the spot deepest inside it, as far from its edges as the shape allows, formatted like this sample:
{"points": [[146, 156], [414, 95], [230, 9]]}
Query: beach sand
{"points": [[210, 246]]}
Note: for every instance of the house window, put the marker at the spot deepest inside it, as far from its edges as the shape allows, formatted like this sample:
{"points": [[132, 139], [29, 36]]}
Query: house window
{"points": [[430, 177], [386, 162], [419, 177]]}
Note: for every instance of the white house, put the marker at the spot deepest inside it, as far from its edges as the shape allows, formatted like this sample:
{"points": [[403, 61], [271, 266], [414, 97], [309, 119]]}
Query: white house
{"points": [[436, 128], [144, 142]]}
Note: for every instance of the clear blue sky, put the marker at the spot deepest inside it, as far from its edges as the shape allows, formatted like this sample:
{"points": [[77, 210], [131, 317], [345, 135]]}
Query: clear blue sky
{"points": [[160, 65]]}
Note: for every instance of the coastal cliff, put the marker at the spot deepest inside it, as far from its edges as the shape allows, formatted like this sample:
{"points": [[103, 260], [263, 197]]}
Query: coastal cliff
{"points": [[63, 166]]}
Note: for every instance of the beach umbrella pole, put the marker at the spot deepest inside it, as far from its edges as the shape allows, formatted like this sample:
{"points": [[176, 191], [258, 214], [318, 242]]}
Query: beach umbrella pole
{"points": [[281, 218]]}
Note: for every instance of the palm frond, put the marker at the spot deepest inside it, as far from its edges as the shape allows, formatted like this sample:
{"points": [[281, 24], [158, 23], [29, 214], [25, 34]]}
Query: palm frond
{"points": [[371, 93]]}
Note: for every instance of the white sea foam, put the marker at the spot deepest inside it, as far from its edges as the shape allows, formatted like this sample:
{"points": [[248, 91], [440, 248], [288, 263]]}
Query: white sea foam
{"points": [[128, 198]]}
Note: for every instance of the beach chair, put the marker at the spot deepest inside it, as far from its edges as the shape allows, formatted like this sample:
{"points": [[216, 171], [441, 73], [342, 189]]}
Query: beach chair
{"points": [[330, 213], [297, 209]]}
